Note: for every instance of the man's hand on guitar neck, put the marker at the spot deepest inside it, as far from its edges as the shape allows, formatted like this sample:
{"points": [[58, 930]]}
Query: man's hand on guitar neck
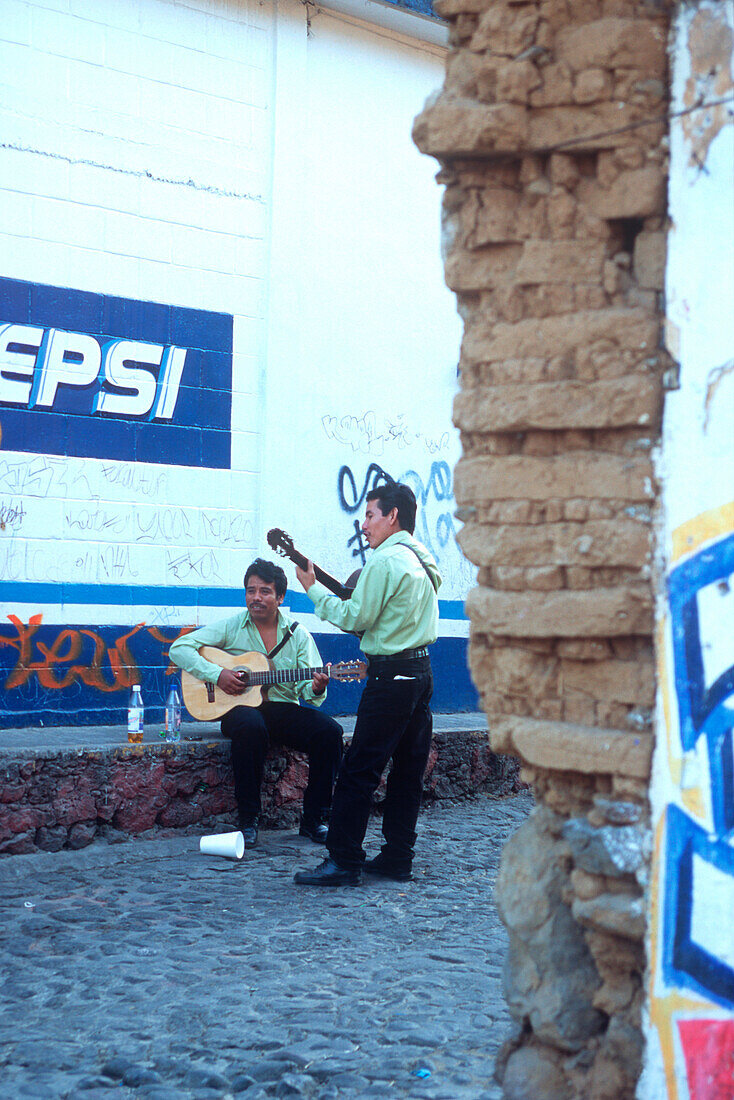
{"points": [[307, 576], [319, 682], [230, 682]]}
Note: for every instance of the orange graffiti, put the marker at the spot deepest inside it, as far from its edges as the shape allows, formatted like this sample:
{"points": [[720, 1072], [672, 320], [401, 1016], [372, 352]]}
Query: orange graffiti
{"points": [[155, 632], [123, 667]]}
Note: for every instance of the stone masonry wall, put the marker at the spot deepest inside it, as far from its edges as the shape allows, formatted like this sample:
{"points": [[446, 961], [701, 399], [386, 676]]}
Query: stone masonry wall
{"points": [[65, 799], [551, 135]]}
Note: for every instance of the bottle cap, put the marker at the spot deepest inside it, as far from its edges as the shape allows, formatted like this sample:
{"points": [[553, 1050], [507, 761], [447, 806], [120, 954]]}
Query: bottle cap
{"points": [[136, 687]]}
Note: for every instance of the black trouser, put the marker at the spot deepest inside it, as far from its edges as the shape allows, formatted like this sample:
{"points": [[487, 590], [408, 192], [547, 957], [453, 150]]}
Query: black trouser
{"points": [[295, 727], [393, 722]]}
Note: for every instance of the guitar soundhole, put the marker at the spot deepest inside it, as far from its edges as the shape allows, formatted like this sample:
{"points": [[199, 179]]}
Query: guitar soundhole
{"points": [[244, 675]]}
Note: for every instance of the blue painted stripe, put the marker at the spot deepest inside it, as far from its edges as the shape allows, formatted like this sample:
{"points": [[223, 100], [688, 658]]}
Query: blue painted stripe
{"points": [[124, 595]]}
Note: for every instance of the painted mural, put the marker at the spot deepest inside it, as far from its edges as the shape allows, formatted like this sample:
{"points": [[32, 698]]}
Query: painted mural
{"points": [[692, 947], [690, 1003]]}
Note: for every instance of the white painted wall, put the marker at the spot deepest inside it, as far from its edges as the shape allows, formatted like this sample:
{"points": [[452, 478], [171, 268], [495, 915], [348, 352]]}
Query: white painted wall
{"points": [[225, 156], [691, 1005], [363, 333], [139, 165]]}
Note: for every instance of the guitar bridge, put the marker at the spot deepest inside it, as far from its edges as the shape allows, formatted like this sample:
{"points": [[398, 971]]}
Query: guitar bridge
{"points": [[209, 692]]}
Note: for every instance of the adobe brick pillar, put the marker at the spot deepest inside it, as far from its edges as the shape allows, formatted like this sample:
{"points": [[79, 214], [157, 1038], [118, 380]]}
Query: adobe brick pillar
{"points": [[551, 135]]}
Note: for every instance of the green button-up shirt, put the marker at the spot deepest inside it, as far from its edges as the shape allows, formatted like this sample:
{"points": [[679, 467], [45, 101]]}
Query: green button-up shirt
{"points": [[395, 602], [239, 634]]}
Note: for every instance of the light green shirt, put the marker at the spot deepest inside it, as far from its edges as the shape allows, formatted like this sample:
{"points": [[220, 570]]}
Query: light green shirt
{"points": [[238, 634], [394, 604]]}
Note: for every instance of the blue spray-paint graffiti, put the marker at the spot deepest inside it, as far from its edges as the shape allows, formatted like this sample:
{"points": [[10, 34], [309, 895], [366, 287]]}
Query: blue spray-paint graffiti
{"points": [[436, 534], [702, 707], [703, 713]]}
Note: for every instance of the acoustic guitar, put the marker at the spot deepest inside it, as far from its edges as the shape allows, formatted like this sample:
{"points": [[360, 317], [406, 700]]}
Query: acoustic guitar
{"points": [[207, 702], [282, 543]]}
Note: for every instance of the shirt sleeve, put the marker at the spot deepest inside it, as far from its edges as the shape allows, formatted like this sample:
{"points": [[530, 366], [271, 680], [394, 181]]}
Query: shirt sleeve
{"points": [[365, 605], [308, 657], [184, 652]]}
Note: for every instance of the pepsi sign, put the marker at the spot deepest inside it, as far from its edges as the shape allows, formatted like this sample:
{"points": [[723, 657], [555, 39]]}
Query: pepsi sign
{"points": [[98, 376]]}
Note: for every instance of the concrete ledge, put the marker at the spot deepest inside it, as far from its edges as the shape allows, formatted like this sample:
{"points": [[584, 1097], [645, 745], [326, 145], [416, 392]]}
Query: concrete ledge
{"points": [[61, 788]]}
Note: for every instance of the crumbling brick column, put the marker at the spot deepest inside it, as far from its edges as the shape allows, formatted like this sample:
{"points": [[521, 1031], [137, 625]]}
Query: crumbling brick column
{"points": [[551, 134]]}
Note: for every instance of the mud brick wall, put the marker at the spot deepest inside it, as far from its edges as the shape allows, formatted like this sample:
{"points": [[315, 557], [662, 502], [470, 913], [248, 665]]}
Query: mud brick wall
{"points": [[551, 135]]}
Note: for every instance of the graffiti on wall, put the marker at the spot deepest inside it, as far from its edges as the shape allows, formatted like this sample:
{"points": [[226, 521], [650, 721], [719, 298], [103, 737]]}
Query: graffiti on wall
{"points": [[39, 662], [432, 483], [692, 978]]}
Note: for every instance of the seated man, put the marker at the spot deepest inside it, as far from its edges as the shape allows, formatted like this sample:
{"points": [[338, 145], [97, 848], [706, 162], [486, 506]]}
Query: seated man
{"points": [[267, 629]]}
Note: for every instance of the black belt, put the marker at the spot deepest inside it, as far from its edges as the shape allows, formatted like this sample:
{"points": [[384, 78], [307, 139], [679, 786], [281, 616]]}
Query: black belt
{"points": [[404, 655]]}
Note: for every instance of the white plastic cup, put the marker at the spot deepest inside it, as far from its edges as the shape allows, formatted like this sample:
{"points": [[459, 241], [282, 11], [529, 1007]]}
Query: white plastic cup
{"points": [[231, 845]]}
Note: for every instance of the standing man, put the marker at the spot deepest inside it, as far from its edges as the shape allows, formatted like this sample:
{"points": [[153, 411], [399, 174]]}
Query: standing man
{"points": [[395, 608], [267, 629]]}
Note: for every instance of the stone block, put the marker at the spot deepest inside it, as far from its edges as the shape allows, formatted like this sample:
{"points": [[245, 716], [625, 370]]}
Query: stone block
{"points": [[649, 260], [625, 329], [481, 268], [589, 128], [613, 44], [597, 612], [563, 746], [463, 127], [503, 34], [593, 85], [611, 850], [618, 914], [571, 262], [532, 1072], [635, 399], [639, 193], [494, 218], [612, 681], [594, 543], [480, 481], [550, 977]]}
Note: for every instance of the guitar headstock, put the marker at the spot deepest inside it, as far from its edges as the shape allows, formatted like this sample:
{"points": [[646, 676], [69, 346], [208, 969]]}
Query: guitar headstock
{"points": [[281, 542], [348, 670]]}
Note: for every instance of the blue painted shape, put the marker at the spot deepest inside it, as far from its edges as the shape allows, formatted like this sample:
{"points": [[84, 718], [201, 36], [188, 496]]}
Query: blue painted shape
{"points": [[61, 307], [39, 430], [203, 406], [685, 963], [216, 449], [127, 319], [87, 438], [702, 710], [15, 301], [74, 651], [191, 328]]}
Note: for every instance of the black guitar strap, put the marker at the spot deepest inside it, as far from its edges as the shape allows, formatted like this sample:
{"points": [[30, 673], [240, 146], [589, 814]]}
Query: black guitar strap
{"points": [[286, 637]]}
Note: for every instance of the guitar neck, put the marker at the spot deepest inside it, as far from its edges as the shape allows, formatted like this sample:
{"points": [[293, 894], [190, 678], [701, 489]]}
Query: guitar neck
{"points": [[283, 676], [326, 579]]}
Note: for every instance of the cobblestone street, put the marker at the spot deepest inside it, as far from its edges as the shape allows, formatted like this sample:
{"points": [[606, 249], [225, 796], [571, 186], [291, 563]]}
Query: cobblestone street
{"points": [[144, 969]]}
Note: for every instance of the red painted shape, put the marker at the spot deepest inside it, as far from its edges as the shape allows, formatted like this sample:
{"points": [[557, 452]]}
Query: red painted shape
{"points": [[708, 1048]]}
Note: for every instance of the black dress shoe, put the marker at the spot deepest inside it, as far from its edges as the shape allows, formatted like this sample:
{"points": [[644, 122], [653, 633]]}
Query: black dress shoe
{"points": [[328, 873], [379, 866], [314, 830], [248, 829]]}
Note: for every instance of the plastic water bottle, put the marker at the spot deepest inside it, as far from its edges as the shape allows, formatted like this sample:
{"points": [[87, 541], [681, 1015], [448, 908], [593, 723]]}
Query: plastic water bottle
{"points": [[173, 715], [135, 715]]}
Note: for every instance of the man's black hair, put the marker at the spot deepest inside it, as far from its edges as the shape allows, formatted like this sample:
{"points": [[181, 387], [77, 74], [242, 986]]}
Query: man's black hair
{"points": [[269, 572], [396, 495]]}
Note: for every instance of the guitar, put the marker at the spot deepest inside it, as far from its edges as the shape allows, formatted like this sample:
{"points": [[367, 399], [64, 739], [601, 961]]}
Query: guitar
{"points": [[207, 702], [283, 544]]}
